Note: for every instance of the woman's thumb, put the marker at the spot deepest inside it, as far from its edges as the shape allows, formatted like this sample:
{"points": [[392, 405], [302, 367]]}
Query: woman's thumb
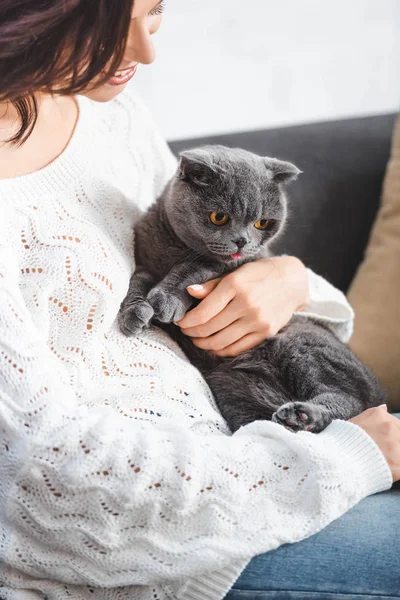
{"points": [[201, 291]]}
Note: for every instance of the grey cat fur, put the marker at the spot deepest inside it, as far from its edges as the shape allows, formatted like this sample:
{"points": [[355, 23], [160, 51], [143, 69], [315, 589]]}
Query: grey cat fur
{"points": [[303, 377]]}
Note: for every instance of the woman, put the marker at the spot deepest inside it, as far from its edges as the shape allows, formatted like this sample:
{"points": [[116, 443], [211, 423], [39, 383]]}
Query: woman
{"points": [[119, 478]]}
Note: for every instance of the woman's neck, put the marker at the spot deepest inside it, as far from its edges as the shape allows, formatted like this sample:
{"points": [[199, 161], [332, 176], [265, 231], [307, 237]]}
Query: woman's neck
{"points": [[57, 117]]}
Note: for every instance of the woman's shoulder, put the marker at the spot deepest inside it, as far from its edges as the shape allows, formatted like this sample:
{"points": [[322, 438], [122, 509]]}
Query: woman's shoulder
{"points": [[123, 117], [127, 121], [127, 133]]}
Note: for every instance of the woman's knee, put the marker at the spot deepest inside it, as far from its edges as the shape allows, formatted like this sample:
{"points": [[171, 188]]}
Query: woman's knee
{"points": [[356, 555]]}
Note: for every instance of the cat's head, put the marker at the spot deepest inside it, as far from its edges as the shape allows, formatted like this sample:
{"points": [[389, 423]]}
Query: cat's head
{"points": [[228, 203]]}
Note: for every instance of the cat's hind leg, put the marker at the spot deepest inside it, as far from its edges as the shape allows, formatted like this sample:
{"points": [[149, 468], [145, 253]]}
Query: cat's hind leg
{"points": [[328, 404], [245, 393], [315, 414], [327, 381]]}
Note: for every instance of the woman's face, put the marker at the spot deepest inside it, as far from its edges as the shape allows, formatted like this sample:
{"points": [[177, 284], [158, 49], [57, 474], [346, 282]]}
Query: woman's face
{"points": [[146, 19]]}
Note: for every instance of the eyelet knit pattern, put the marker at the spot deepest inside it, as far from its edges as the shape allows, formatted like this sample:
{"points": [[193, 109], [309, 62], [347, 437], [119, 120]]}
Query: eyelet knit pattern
{"points": [[119, 478]]}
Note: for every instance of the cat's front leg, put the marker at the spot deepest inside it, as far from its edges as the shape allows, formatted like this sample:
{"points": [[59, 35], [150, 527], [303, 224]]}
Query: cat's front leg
{"points": [[169, 299], [169, 305], [136, 312], [303, 416]]}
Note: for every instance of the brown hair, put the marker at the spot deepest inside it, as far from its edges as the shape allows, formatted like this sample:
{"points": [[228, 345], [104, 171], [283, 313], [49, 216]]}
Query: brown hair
{"points": [[57, 45]]}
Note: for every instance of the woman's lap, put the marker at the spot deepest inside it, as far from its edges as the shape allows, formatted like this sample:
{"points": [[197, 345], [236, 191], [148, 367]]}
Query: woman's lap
{"points": [[355, 557]]}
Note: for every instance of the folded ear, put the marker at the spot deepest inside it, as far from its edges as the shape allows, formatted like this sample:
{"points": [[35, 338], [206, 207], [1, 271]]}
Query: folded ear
{"points": [[196, 166], [281, 171]]}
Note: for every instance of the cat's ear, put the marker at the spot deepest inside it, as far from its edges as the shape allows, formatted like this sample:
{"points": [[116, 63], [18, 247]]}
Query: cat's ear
{"points": [[196, 166], [281, 171]]}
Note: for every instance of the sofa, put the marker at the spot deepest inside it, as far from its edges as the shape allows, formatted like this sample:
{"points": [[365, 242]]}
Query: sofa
{"points": [[335, 200]]}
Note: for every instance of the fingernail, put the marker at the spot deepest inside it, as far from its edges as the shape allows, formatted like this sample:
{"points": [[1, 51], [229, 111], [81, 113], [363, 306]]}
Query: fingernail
{"points": [[385, 405], [196, 287]]}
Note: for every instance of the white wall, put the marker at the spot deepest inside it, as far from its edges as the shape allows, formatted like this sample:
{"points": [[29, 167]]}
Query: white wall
{"points": [[230, 65]]}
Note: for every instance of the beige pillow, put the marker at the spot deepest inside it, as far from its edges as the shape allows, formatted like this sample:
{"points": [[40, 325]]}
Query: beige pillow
{"points": [[375, 291]]}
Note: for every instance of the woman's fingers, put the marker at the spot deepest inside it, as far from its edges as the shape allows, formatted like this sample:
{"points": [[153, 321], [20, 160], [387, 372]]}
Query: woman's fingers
{"points": [[245, 343], [383, 428], [209, 307], [223, 338], [227, 337], [225, 318], [202, 290]]}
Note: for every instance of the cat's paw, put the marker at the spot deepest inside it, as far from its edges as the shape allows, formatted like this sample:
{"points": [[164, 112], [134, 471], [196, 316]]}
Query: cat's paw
{"points": [[302, 416], [169, 306], [133, 317]]}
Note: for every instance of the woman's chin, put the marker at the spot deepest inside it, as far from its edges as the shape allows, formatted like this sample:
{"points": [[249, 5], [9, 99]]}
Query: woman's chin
{"points": [[105, 93]]}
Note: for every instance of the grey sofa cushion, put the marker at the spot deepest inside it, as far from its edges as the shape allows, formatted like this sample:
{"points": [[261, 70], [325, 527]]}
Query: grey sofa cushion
{"points": [[333, 205]]}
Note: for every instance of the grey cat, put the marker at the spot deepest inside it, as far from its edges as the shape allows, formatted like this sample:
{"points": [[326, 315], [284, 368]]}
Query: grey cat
{"points": [[222, 209]]}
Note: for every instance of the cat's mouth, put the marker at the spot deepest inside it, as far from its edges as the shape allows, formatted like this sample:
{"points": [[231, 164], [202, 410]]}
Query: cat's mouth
{"points": [[228, 258]]}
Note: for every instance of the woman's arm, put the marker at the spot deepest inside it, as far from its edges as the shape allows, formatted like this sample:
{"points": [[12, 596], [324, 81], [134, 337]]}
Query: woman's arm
{"points": [[89, 496]]}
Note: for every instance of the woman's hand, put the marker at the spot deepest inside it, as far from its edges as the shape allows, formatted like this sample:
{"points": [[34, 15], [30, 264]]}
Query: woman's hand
{"points": [[247, 306], [384, 429]]}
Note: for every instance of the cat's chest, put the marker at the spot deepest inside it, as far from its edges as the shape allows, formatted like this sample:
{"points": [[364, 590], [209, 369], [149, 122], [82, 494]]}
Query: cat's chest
{"points": [[171, 258], [157, 251]]}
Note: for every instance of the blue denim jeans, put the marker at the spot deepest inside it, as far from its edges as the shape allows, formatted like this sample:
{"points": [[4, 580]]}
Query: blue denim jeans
{"points": [[357, 557]]}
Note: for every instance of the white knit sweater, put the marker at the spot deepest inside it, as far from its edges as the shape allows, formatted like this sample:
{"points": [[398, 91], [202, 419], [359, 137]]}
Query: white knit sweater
{"points": [[119, 478]]}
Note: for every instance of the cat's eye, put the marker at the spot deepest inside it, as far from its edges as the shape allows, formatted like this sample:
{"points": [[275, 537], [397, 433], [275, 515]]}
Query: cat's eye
{"points": [[262, 224], [218, 218]]}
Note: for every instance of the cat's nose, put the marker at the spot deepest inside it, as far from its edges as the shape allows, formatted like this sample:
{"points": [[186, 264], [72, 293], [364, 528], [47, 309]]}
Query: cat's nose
{"points": [[240, 242]]}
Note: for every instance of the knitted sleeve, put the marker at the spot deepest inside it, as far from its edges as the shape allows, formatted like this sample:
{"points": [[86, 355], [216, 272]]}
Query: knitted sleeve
{"points": [[88, 496], [328, 305]]}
